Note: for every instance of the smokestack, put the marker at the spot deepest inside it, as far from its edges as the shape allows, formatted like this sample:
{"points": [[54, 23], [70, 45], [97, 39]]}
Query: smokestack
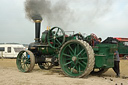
{"points": [[37, 30]]}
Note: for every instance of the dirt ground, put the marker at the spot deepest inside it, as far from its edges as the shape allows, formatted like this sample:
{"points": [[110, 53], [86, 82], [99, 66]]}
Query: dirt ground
{"points": [[9, 75]]}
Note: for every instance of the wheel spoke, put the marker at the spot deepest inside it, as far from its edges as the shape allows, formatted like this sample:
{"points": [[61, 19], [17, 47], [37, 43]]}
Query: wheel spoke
{"points": [[83, 58], [77, 47], [24, 67], [51, 33], [72, 69], [84, 63], [68, 59], [27, 61], [58, 41], [24, 56], [70, 52], [79, 69], [54, 43], [59, 36], [76, 67], [71, 66], [71, 48], [80, 52], [66, 55], [75, 51], [22, 64], [81, 64], [84, 53], [57, 31], [27, 65], [68, 63]]}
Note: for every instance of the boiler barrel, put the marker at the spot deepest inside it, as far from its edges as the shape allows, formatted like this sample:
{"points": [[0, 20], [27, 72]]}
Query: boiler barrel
{"points": [[46, 50]]}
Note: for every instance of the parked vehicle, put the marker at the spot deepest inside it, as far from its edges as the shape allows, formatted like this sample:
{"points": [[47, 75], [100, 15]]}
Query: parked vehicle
{"points": [[10, 50], [122, 44]]}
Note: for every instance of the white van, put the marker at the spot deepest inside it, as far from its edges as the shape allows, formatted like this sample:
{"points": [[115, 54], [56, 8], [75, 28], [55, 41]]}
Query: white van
{"points": [[10, 50]]}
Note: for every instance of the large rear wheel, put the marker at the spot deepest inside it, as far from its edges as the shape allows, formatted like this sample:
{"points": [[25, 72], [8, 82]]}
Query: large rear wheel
{"points": [[76, 58], [25, 61]]}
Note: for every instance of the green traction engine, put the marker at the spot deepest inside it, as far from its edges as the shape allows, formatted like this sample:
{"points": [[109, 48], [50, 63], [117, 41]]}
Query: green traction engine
{"points": [[75, 54]]}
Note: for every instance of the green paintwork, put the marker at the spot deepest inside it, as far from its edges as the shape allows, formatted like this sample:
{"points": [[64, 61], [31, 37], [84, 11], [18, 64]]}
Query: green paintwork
{"points": [[46, 50], [23, 62], [104, 55], [122, 48], [73, 59], [88, 38], [43, 38], [56, 37]]}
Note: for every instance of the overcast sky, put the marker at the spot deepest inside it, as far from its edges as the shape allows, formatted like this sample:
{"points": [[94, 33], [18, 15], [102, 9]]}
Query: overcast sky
{"points": [[105, 18]]}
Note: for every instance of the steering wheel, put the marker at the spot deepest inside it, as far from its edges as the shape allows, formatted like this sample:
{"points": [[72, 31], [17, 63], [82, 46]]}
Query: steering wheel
{"points": [[56, 37]]}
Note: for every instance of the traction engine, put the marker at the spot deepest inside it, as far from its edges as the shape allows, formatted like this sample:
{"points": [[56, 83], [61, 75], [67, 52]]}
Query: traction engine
{"points": [[75, 54]]}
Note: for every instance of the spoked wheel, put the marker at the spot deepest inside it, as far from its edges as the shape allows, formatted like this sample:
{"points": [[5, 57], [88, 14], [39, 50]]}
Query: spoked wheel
{"points": [[99, 71], [76, 58], [46, 66], [25, 61], [56, 37]]}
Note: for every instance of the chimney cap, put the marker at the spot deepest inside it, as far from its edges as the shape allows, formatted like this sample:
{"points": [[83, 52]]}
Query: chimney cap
{"points": [[37, 21]]}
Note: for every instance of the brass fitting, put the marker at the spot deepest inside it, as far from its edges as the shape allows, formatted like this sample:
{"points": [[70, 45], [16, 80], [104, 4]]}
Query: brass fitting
{"points": [[48, 28], [37, 21]]}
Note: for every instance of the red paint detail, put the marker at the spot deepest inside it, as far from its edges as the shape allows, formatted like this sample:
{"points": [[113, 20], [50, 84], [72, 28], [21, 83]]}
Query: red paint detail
{"points": [[121, 39], [51, 42]]}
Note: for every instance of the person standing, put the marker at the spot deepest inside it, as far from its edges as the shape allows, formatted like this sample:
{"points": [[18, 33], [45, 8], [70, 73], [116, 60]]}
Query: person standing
{"points": [[116, 67], [98, 41]]}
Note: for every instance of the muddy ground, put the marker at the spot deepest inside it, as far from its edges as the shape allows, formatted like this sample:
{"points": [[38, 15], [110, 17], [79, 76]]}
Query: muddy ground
{"points": [[10, 75]]}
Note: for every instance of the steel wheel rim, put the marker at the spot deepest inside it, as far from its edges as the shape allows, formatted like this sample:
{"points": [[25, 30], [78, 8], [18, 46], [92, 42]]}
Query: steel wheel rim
{"points": [[23, 61], [74, 60]]}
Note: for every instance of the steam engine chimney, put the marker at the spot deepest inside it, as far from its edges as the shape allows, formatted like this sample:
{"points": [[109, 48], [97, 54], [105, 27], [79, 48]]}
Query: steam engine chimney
{"points": [[37, 30]]}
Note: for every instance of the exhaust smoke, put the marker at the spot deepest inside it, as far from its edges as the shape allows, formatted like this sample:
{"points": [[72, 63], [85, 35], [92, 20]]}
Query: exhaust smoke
{"points": [[55, 14], [36, 8], [69, 14]]}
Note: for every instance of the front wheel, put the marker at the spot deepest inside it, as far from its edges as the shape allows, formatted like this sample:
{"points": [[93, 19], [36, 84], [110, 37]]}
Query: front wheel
{"points": [[25, 61], [76, 58]]}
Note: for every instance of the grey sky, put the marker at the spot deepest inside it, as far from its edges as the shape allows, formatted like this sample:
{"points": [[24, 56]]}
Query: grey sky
{"points": [[105, 18]]}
